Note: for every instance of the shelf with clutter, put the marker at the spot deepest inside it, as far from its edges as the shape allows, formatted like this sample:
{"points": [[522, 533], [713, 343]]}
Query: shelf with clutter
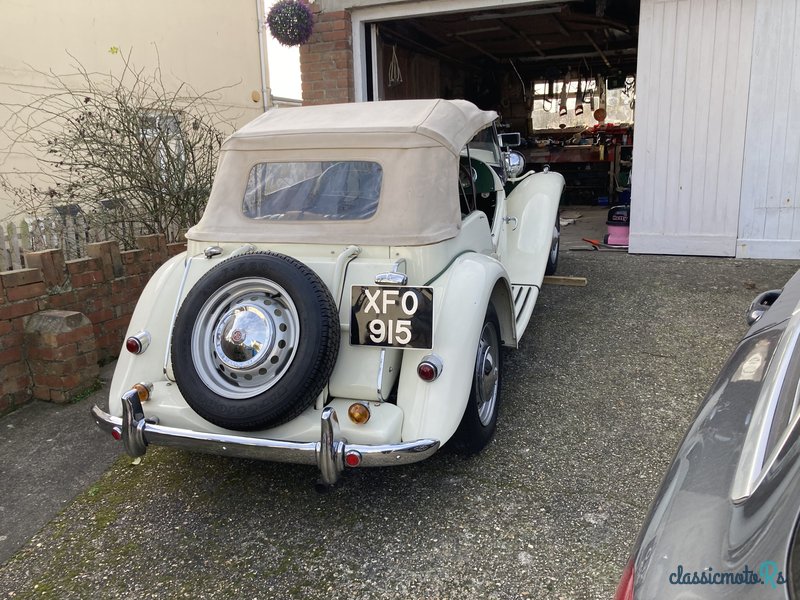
{"points": [[595, 162], [583, 127]]}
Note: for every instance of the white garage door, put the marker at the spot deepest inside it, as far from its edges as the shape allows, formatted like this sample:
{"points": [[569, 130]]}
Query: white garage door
{"points": [[769, 224], [691, 105]]}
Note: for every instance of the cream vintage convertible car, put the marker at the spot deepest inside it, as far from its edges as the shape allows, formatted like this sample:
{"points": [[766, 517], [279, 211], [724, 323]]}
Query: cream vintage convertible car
{"points": [[344, 298]]}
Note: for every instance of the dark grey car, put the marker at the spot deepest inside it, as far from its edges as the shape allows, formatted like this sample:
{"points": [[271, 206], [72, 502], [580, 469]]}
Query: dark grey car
{"points": [[724, 523]]}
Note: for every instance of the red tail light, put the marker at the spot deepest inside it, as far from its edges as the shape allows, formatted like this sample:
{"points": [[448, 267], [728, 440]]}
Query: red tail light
{"points": [[430, 367], [625, 587], [136, 344]]}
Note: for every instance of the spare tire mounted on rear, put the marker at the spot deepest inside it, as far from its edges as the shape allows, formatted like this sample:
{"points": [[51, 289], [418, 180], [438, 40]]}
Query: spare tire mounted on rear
{"points": [[255, 341]]}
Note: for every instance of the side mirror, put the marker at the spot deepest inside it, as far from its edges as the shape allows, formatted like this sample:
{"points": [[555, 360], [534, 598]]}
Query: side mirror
{"points": [[515, 163], [761, 305], [509, 140]]}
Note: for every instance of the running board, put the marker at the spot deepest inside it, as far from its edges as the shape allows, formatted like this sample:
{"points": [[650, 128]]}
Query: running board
{"points": [[524, 300]]}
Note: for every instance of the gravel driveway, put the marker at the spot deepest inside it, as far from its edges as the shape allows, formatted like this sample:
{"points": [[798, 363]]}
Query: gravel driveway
{"points": [[595, 402]]}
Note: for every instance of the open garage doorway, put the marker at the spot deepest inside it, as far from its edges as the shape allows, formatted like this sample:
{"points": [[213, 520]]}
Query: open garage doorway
{"points": [[700, 75], [562, 74]]}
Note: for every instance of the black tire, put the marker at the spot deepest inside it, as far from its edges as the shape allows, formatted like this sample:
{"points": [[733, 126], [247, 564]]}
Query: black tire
{"points": [[480, 416], [255, 341], [555, 245]]}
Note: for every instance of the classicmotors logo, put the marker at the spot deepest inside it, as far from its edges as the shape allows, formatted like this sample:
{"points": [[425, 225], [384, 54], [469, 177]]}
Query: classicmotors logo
{"points": [[767, 573]]}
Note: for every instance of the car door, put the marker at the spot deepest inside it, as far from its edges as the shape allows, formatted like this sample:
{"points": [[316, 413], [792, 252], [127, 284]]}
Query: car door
{"points": [[531, 211]]}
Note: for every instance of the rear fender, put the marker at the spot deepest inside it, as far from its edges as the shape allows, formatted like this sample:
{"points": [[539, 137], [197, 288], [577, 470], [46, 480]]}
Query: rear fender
{"points": [[153, 313], [461, 297]]}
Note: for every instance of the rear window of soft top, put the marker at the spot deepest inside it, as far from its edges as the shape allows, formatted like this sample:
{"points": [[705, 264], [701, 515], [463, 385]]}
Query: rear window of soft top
{"points": [[313, 191]]}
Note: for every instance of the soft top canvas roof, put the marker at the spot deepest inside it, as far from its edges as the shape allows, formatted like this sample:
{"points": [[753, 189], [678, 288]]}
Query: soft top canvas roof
{"points": [[450, 123], [416, 142]]}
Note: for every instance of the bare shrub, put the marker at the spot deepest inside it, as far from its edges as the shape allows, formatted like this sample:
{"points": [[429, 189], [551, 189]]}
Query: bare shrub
{"points": [[132, 154]]}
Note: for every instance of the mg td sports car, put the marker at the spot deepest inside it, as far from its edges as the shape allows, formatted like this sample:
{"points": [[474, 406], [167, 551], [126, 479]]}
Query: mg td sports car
{"points": [[344, 298]]}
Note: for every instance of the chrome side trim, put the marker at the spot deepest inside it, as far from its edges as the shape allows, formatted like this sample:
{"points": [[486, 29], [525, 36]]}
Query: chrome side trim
{"points": [[754, 462], [175, 313], [328, 453], [381, 366]]}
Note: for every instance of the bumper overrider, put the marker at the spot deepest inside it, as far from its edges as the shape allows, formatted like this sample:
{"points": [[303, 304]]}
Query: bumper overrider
{"points": [[331, 453]]}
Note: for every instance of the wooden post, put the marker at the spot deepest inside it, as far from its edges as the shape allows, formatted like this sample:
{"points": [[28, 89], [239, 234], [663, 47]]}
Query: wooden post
{"points": [[16, 261], [4, 263], [25, 236]]}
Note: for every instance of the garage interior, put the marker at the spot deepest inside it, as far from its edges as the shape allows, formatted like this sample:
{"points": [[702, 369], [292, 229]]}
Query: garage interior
{"points": [[562, 74]]}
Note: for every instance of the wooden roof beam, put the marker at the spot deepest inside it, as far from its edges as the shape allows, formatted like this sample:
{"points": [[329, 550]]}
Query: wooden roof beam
{"points": [[521, 35], [530, 12], [597, 22], [578, 55], [476, 47], [560, 26], [596, 47]]}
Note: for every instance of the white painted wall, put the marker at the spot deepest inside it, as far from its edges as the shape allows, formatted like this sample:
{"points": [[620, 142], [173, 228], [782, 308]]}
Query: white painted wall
{"points": [[769, 221], [212, 46], [689, 145]]}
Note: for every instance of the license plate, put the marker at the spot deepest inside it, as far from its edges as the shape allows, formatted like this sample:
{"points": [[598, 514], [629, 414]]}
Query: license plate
{"points": [[391, 316]]}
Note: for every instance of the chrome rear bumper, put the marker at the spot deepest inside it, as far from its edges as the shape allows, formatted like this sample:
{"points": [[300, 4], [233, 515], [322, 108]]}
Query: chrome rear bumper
{"points": [[328, 454]]}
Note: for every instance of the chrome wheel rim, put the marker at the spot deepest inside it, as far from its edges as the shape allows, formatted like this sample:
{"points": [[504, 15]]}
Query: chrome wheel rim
{"points": [[487, 378], [245, 337], [555, 243]]}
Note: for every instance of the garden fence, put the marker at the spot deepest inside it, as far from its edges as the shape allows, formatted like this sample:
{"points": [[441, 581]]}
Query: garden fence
{"points": [[69, 233]]}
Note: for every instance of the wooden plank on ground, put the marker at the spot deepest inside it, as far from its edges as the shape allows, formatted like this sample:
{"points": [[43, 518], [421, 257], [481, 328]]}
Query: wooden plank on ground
{"points": [[560, 280]]}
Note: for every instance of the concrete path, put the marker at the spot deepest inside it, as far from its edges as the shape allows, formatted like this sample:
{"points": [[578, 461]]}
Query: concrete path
{"points": [[48, 454]]}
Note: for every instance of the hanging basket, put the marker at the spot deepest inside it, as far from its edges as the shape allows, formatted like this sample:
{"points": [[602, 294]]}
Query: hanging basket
{"points": [[291, 22]]}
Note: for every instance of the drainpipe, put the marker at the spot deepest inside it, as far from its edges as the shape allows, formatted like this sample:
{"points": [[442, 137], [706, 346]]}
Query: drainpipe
{"points": [[261, 17]]}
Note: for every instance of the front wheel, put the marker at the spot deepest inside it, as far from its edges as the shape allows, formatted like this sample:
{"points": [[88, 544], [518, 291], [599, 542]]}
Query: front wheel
{"points": [[480, 416]]}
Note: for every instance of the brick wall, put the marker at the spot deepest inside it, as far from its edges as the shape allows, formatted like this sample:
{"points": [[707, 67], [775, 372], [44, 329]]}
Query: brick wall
{"points": [[59, 319], [326, 60]]}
